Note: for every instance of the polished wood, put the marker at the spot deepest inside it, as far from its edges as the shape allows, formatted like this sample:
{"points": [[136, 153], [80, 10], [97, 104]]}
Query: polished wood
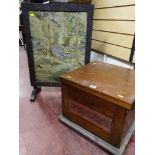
{"points": [[99, 97], [99, 105], [79, 120], [96, 118], [128, 121], [113, 83], [117, 126]]}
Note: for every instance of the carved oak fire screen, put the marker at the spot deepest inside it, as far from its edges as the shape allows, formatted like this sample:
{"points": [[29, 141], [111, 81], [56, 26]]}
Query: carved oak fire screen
{"points": [[58, 40]]}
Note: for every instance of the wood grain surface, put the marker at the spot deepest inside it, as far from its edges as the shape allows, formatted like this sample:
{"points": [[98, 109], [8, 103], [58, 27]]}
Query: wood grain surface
{"points": [[113, 83]]}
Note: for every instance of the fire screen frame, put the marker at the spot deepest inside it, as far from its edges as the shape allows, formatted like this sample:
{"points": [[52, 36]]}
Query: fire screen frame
{"points": [[54, 7]]}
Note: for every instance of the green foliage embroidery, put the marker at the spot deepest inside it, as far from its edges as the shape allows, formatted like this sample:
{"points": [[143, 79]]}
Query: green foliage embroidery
{"points": [[59, 40]]}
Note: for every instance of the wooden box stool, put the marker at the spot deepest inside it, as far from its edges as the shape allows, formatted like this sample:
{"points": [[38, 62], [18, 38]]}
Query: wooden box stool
{"points": [[98, 101]]}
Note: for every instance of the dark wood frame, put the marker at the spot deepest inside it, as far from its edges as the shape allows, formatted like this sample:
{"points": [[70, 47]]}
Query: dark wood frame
{"points": [[132, 50], [53, 7]]}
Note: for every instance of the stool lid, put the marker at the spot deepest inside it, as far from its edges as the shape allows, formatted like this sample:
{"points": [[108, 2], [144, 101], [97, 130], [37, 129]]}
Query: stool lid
{"points": [[107, 81]]}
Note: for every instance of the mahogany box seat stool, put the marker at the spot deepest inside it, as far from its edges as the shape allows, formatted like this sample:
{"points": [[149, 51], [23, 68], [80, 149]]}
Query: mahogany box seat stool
{"points": [[98, 101]]}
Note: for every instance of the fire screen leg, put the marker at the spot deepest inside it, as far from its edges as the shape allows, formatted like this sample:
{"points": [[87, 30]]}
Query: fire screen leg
{"points": [[34, 93]]}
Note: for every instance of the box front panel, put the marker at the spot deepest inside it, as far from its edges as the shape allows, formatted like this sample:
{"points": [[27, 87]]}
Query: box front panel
{"points": [[90, 115], [90, 112]]}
